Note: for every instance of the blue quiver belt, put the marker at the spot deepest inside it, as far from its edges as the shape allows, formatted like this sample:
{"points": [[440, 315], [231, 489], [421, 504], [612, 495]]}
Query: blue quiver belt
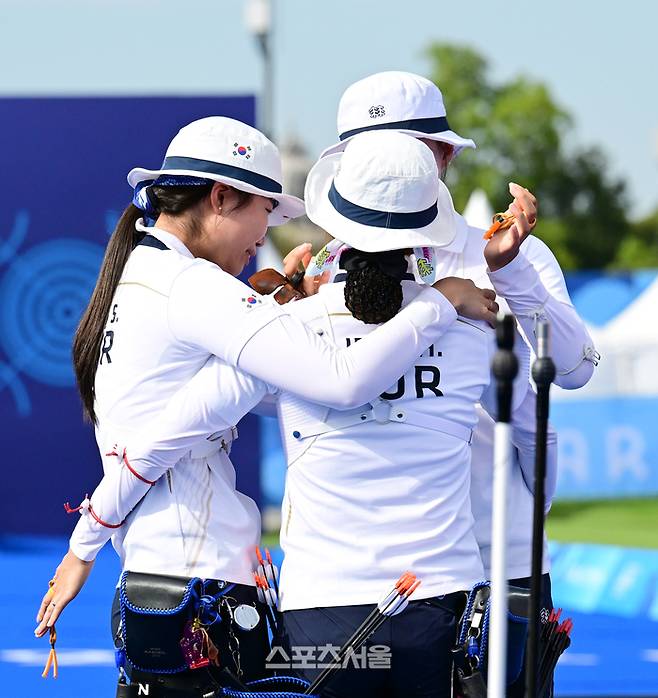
{"points": [[154, 611], [470, 654], [272, 687], [518, 608]]}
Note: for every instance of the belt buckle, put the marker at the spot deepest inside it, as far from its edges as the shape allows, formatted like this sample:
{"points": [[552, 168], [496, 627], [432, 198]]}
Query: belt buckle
{"points": [[225, 434], [226, 437], [381, 411]]}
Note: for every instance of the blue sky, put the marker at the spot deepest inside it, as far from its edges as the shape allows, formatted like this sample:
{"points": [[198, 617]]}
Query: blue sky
{"points": [[599, 58]]}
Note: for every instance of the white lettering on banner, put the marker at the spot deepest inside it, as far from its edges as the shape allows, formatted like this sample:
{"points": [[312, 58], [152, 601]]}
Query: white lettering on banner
{"points": [[627, 580], [143, 690], [588, 576], [625, 449], [573, 455]]}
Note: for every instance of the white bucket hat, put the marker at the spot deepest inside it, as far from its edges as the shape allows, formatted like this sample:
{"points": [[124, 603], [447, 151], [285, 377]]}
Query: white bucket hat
{"points": [[382, 193], [228, 151], [398, 101]]}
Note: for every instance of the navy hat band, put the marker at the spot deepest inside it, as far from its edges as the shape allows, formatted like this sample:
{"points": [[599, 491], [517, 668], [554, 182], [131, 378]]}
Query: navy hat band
{"points": [[381, 219], [433, 125], [221, 170]]}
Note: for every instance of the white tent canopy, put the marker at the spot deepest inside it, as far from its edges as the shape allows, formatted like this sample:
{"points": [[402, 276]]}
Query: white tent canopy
{"points": [[478, 211]]}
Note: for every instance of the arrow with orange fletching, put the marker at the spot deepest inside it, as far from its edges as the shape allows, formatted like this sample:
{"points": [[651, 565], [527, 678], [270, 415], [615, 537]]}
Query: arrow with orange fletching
{"points": [[393, 602]]}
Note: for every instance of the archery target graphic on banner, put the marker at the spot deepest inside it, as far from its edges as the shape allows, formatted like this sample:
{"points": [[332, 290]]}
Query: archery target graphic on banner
{"points": [[63, 195], [42, 296]]}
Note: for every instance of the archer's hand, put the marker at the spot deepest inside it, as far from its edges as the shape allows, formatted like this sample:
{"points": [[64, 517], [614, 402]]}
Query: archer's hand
{"points": [[301, 255], [469, 300], [70, 577], [504, 245]]}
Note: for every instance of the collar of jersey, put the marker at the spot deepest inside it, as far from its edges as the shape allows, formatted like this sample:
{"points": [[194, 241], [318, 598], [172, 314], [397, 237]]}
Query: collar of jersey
{"points": [[171, 241]]}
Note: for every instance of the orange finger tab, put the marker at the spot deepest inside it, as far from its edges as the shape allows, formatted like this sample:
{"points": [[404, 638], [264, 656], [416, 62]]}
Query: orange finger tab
{"points": [[500, 221]]}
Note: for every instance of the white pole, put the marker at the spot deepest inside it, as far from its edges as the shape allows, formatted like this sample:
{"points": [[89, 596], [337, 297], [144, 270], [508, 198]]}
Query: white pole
{"points": [[497, 663], [258, 18], [505, 367]]}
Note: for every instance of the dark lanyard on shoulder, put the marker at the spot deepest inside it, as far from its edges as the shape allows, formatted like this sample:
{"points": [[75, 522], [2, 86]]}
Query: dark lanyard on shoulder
{"points": [[152, 241]]}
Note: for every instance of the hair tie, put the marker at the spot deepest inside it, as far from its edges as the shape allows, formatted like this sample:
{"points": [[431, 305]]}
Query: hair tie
{"points": [[393, 263], [142, 201], [142, 198]]}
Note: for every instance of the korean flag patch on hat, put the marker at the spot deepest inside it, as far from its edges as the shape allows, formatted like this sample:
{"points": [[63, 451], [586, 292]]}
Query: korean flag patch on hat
{"points": [[228, 151]]}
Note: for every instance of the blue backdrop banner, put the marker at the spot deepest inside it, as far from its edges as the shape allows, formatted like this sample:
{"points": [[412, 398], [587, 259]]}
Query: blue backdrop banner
{"points": [[65, 162], [608, 447]]}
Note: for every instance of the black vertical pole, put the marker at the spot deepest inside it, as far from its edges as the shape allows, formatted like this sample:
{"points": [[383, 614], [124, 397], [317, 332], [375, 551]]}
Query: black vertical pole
{"points": [[543, 373], [505, 366]]}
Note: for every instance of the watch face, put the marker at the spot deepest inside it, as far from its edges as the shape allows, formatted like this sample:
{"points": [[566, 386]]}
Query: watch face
{"points": [[246, 617]]}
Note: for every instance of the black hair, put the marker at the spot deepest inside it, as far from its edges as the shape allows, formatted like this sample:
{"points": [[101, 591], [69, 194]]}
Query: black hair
{"points": [[172, 200], [373, 292]]}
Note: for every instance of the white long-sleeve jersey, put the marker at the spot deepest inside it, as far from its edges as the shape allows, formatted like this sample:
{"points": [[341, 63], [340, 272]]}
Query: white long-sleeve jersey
{"points": [[385, 488], [159, 449], [532, 287], [362, 501], [380, 490], [170, 314]]}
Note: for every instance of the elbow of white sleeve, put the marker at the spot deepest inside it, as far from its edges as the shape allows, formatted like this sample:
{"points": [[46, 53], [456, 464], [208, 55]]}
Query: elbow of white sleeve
{"points": [[580, 375], [265, 408], [351, 395]]}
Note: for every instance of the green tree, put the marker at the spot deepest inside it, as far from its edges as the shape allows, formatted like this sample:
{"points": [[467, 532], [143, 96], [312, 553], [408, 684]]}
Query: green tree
{"points": [[640, 248], [522, 136]]}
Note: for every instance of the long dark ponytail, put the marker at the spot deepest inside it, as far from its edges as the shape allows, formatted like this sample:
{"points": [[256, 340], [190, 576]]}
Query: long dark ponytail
{"points": [[373, 292], [172, 200], [89, 335]]}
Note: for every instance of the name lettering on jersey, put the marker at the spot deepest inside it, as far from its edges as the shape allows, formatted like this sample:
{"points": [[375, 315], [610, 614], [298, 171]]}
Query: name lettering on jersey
{"points": [[108, 337], [397, 393], [430, 352], [143, 689], [426, 377], [431, 383], [108, 341]]}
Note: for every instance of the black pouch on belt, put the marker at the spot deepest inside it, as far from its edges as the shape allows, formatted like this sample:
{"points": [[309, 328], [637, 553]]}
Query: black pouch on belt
{"points": [[154, 611], [470, 654]]}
